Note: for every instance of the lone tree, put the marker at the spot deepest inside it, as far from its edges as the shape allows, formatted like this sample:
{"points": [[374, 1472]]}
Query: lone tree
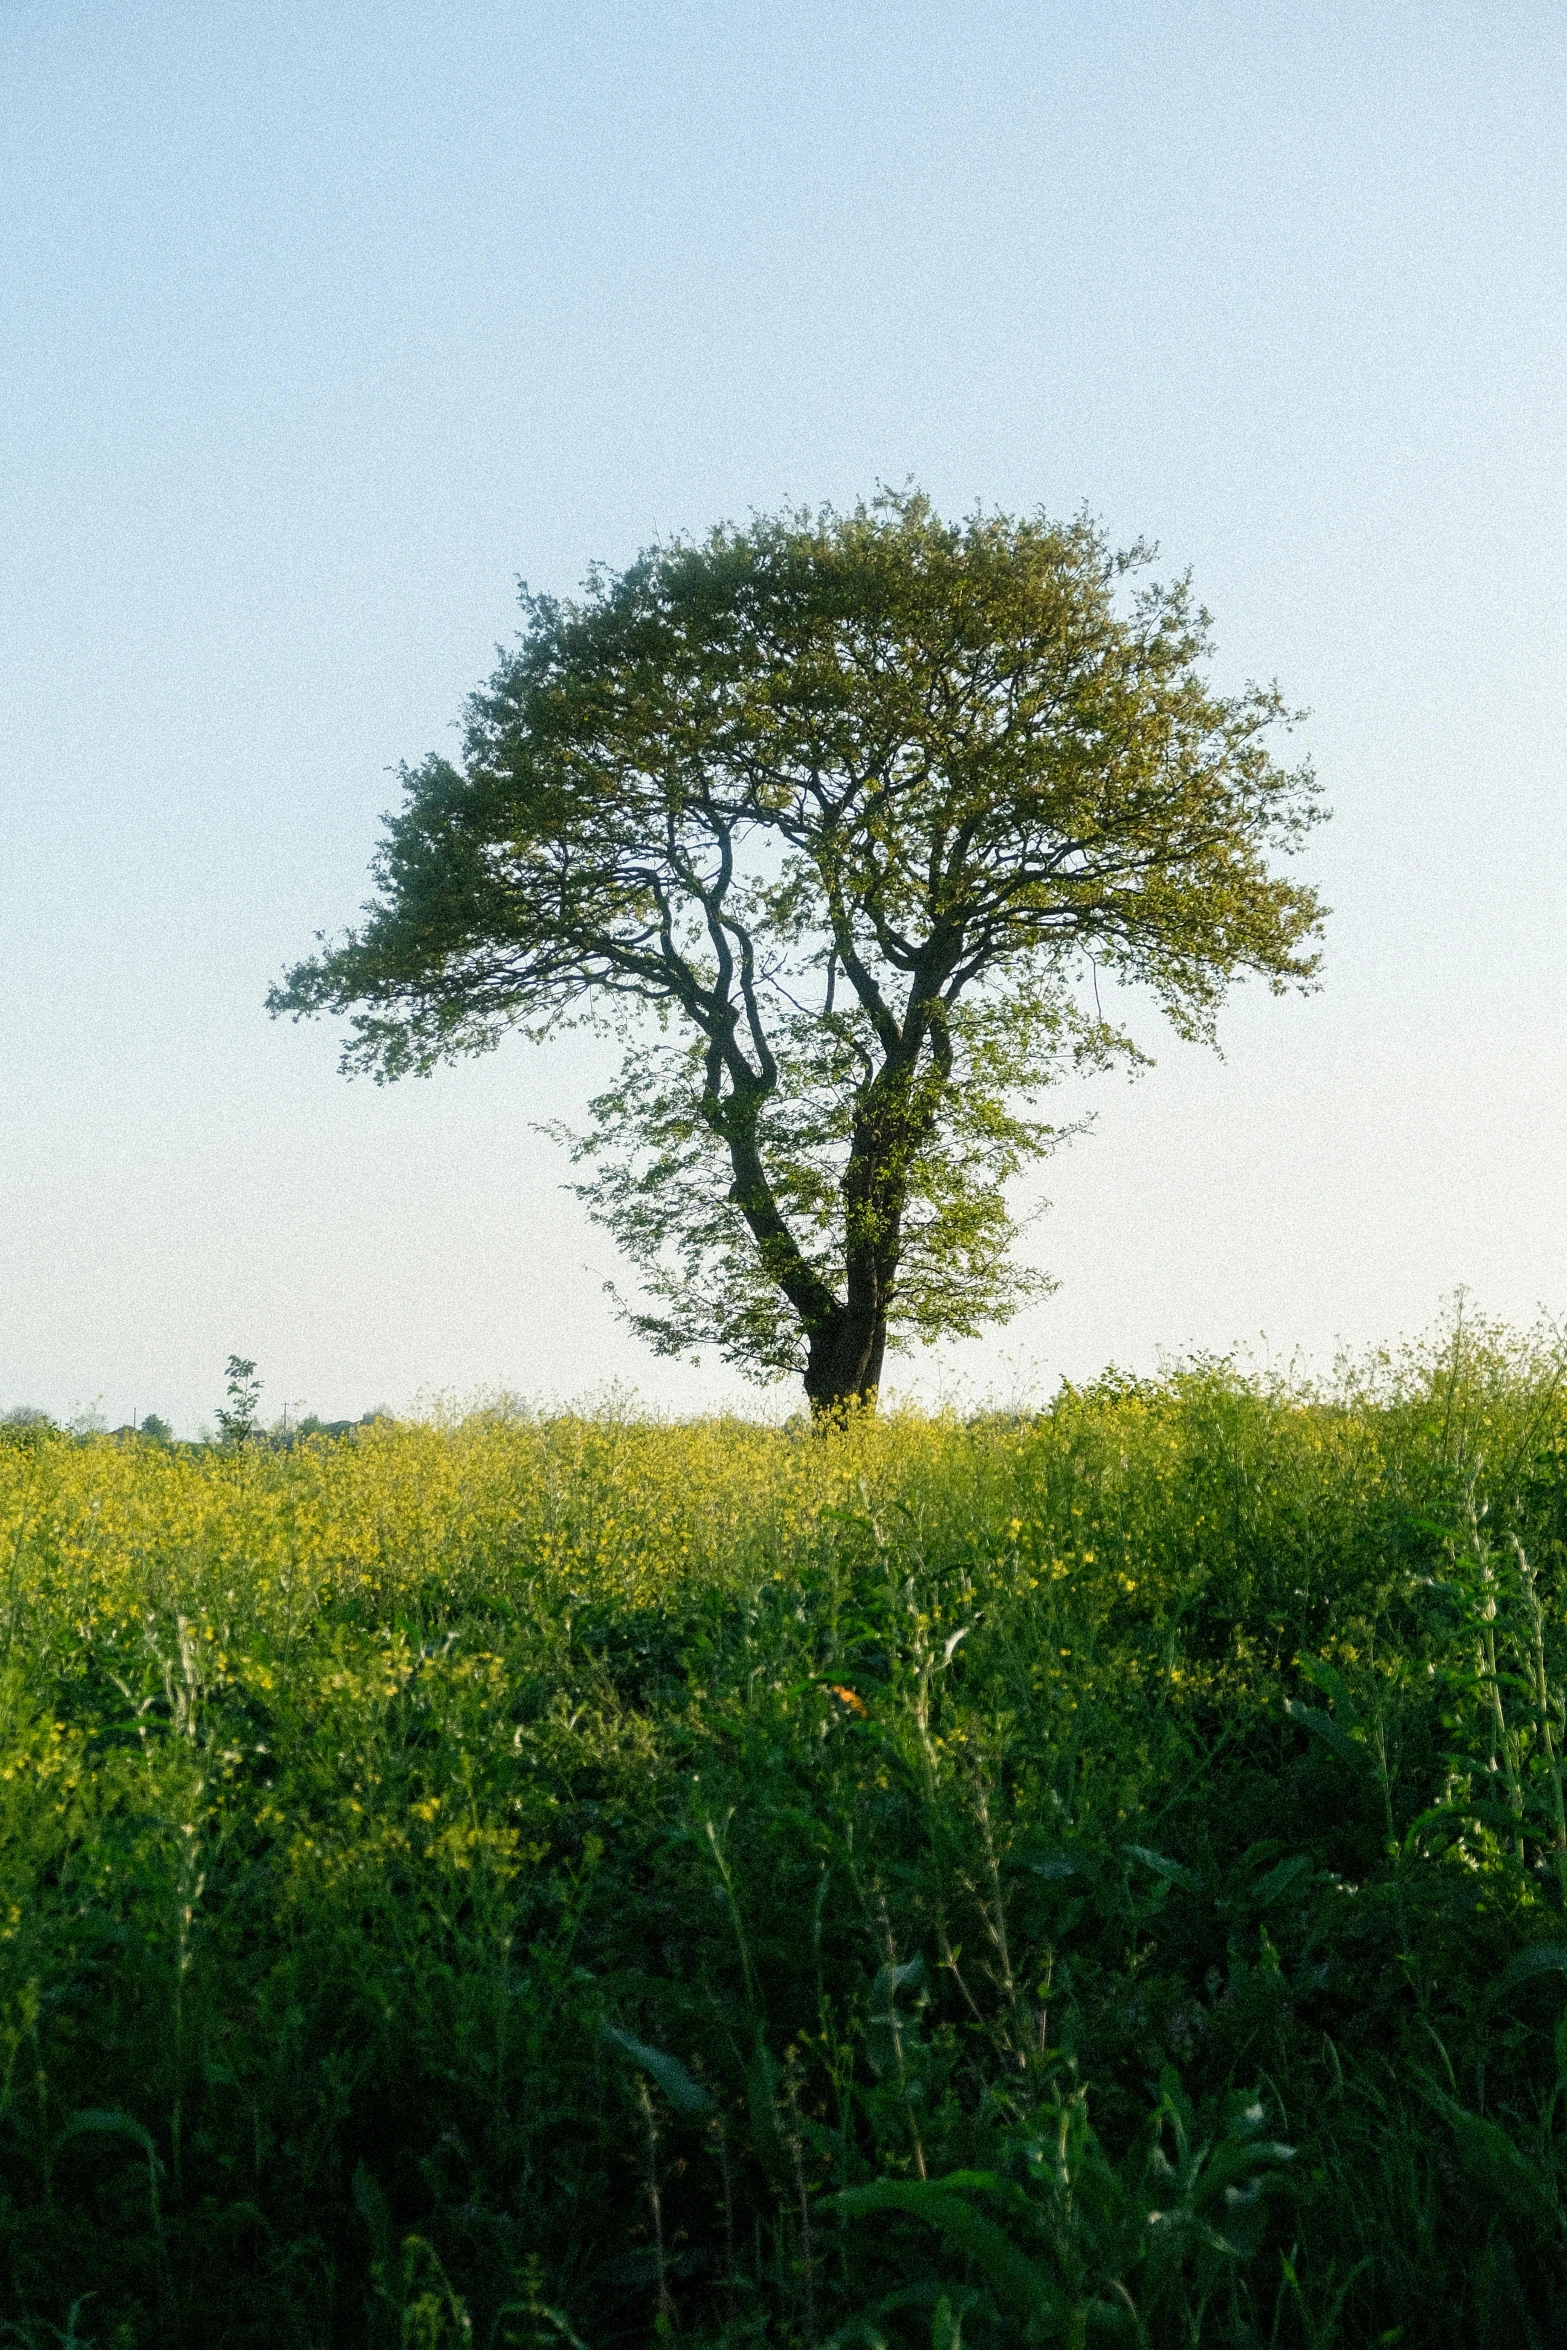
{"points": [[850, 808], [237, 1419]]}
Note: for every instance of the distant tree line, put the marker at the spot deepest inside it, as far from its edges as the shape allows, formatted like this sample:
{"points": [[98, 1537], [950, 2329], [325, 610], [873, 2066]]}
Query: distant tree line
{"points": [[238, 1422]]}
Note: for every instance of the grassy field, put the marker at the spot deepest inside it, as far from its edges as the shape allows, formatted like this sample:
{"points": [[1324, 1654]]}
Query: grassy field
{"points": [[1082, 1877]]}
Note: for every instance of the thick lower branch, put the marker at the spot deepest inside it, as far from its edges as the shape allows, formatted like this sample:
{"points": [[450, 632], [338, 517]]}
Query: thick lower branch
{"points": [[785, 1261], [845, 1335]]}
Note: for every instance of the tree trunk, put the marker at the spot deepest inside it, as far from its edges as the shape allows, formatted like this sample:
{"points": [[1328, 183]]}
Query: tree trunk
{"points": [[846, 1339], [843, 1364], [845, 1347]]}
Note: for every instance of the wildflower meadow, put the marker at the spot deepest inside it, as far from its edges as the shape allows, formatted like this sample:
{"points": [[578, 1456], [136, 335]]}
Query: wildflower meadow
{"points": [[1076, 1876]]}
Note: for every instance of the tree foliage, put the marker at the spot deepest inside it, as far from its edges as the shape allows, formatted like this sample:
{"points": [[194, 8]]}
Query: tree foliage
{"points": [[849, 805]]}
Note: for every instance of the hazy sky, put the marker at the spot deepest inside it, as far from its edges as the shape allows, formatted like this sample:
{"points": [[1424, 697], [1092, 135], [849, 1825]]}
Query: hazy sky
{"points": [[321, 323]]}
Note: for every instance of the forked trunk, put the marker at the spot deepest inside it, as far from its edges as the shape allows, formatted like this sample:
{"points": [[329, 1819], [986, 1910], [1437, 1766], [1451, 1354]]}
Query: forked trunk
{"points": [[846, 1338], [843, 1364]]}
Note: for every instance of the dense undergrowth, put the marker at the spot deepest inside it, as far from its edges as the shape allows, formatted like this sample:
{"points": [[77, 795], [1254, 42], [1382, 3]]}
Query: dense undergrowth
{"points": [[1087, 1877]]}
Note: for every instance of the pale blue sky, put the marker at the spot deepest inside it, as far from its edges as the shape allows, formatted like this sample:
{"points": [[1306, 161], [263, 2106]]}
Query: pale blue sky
{"points": [[320, 323]]}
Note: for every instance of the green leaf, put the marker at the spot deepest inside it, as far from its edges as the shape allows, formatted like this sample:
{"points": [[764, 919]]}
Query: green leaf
{"points": [[93, 2120], [889, 2032], [1437, 1818], [1324, 1727], [1279, 1880], [1021, 2285], [1330, 1681], [1162, 1866], [684, 2094], [1488, 2152], [1541, 1958], [893, 1979]]}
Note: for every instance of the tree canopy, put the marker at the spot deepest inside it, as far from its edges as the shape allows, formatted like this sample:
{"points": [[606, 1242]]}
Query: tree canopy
{"points": [[851, 809]]}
